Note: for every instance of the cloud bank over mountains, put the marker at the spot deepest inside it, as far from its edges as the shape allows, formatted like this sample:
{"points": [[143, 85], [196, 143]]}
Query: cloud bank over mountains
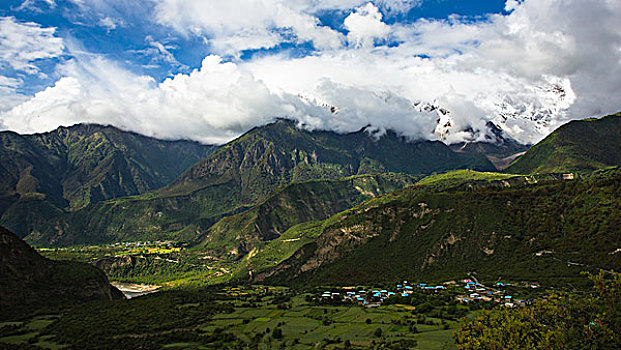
{"points": [[529, 70]]}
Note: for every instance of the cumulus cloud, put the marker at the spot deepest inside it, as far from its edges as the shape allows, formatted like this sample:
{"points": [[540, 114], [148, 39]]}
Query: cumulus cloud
{"points": [[211, 104], [529, 71], [365, 26]]}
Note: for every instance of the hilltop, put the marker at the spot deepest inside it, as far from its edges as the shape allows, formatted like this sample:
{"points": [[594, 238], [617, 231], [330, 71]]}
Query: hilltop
{"points": [[580, 145]]}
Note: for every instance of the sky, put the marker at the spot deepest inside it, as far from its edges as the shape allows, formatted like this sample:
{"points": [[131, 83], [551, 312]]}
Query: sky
{"points": [[210, 70]]}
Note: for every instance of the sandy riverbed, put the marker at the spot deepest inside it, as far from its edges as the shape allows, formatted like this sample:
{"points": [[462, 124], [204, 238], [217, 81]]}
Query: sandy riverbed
{"points": [[132, 290]]}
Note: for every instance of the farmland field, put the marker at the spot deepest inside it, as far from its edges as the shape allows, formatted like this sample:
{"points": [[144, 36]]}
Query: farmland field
{"points": [[233, 317]]}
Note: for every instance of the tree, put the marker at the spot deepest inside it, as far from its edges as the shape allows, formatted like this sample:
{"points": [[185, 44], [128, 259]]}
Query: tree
{"points": [[378, 332], [568, 321]]}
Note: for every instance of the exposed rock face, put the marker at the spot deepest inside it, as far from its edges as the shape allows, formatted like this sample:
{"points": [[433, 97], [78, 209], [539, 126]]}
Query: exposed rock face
{"points": [[30, 281]]}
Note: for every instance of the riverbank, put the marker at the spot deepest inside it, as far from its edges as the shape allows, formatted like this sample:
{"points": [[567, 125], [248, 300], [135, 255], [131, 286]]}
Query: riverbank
{"points": [[132, 290]]}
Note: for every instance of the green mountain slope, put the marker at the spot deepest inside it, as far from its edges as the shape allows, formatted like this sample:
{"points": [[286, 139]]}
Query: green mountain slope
{"points": [[30, 281], [241, 174], [69, 168], [236, 236], [549, 231], [279, 153], [578, 145]]}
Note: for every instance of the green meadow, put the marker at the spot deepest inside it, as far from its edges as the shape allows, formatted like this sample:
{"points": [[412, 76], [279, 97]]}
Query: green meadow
{"points": [[253, 317]]}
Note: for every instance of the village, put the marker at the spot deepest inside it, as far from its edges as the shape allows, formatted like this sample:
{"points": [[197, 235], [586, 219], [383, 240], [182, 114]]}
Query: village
{"points": [[465, 291]]}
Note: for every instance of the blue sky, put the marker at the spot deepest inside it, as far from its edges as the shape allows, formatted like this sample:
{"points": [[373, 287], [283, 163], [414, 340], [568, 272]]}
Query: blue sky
{"points": [[208, 70]]}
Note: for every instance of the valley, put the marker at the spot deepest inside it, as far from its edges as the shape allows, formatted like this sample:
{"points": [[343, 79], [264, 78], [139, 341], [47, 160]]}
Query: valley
{"points": [[310, 175], [259, 317]]}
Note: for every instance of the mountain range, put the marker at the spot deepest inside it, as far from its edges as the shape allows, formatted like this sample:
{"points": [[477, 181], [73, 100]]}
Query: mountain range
{"points": [[235, 177], [284, 205], [70, 168], [518, 227], [559, 217], [272, 198]]}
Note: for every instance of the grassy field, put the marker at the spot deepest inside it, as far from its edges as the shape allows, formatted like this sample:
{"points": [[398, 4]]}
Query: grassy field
{"points": [[29, 332], [257, 317], [306, 325]]}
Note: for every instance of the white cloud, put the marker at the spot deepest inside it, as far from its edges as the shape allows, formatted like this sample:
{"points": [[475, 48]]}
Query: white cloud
{"points": [[543, 64], [7, 83], [236, 25], [365, 26], [33, 5], [398, 6], [21, 44], [212, 104], [161, 52], [111, 23]]}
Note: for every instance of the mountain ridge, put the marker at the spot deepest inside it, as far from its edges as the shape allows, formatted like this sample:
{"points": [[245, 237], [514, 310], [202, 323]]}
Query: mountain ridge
{"points": [[579, 145], [243, 173], [505, 228], [71, 167], [30, 281]]}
